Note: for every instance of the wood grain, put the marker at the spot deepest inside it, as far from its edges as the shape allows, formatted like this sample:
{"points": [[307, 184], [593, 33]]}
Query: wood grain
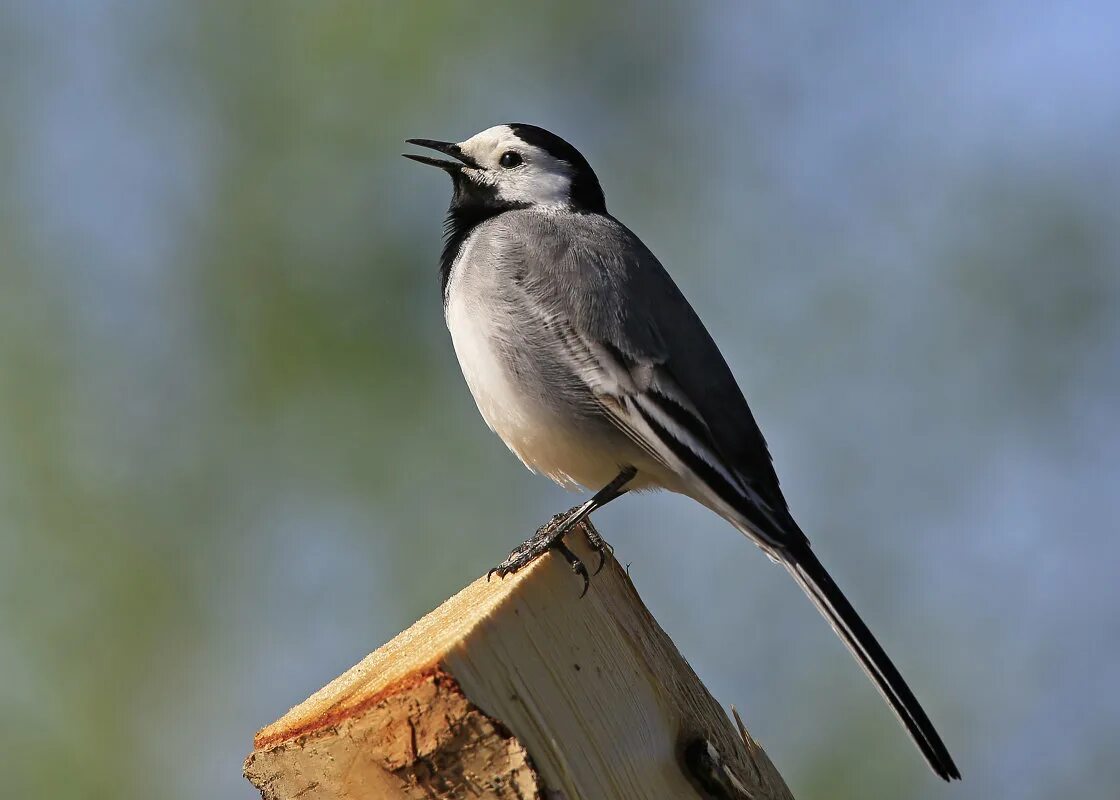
{"points": [[518, 689]]}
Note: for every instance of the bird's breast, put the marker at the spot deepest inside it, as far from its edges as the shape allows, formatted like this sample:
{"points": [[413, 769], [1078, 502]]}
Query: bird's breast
{"points": [[500, 363], [478, 346]]}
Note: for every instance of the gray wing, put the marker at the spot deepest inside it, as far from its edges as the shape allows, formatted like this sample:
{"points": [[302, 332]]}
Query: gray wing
{"points": [[644, 354], [639, 348]]}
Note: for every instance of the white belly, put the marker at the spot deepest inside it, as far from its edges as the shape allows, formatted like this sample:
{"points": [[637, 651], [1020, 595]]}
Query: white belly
{"points": [[547, 442], [534, 432]]}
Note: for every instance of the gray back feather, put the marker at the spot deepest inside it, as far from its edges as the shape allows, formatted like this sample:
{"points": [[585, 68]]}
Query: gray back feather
{"points": [[592, 272]]}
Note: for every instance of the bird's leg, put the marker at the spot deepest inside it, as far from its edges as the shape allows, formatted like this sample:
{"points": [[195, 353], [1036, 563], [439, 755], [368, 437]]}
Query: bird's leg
{"points": [[551, 534]]}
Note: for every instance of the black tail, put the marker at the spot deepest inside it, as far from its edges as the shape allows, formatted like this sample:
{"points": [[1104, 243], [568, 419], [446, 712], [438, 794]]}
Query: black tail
{"points": [[830, 601]]}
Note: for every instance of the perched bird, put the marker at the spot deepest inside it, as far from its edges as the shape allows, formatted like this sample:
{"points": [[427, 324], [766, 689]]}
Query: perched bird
{"points": [[585, 358]]}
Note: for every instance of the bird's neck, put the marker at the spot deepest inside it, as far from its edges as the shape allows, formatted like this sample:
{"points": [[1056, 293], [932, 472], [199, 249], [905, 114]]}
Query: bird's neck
{"points": [[461, 220]]}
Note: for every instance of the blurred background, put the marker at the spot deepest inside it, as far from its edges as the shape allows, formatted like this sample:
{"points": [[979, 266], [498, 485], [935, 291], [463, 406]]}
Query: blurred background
{"points": [[237, 454]]}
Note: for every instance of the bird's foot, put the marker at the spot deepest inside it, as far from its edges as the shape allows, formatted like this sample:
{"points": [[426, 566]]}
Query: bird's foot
{"points": [[599, 545], [574, 562], [550, 536]]}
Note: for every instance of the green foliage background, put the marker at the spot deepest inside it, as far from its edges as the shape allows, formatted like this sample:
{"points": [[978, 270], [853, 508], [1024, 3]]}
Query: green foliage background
{"points": [[236, 453]]}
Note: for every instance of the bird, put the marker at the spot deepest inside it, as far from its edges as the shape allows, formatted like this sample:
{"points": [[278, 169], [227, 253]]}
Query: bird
{"points": [[586, 359]]}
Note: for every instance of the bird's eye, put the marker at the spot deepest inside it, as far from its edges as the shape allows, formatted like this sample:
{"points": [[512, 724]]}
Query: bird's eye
{"points": [[510, 159]]}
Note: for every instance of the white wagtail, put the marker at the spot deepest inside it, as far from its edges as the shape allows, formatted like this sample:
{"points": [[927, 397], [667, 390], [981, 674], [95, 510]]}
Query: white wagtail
{"points": [[584, 356]]}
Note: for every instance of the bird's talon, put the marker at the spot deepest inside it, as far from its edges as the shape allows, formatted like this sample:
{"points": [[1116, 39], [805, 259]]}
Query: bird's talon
{"points": [[579, 569], [575, 563]]}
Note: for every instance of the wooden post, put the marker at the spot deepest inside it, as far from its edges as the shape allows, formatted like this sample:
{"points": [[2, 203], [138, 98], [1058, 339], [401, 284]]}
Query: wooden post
{"points": [[515, 689]]}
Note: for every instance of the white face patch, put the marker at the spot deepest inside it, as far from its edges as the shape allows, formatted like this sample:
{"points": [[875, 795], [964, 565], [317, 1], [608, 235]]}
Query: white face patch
{"points": [[539, 180]]}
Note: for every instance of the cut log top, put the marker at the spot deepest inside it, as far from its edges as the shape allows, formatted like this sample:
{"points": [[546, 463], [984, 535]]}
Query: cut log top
{"points": [[517, 688], [412, 656]]}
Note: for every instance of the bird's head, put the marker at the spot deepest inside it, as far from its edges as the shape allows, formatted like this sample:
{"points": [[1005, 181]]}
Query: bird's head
{"points": [[516, 166]]}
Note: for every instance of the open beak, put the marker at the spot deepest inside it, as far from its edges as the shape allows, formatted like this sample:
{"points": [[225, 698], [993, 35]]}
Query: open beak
{"points": [[447, 148]]}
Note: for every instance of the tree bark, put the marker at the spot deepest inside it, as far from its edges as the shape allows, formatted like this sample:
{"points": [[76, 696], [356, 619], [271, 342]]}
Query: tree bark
{"points": [[515, 689]]}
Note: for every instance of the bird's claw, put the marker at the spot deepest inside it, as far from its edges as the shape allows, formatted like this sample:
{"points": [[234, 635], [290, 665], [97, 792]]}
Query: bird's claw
{"points": [[532, 548], [550, 536], [575, 563], [599, 545]]}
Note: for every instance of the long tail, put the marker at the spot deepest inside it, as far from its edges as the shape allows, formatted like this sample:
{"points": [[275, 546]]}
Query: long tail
{"points": [[810, 574]]}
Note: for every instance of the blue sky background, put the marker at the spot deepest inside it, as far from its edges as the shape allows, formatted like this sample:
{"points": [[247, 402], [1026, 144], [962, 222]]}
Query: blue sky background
{"points": [[236, 452]]}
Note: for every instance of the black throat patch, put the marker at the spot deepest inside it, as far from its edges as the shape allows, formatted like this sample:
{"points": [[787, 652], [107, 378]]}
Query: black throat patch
{"points": [[471, 205]]}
